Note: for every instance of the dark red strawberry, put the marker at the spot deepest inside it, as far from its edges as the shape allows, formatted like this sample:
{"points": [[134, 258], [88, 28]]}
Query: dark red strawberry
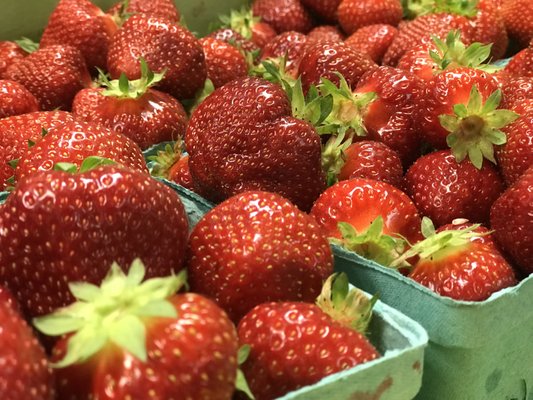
{"points": [[10, 52], [165, 46], [295, 344], [154, 8], [324, 9], [249, 26], [53, 74], [283, 15], [134, 109], [516, 90], [521, 64], [355, 14], [518, 18], [373, 40], [511, 217], [234, 38], [91, 219], [291, 46], [444, 189], [243, 137], [325, 33], [15, 99], [80, 24], [16, 132], [224, 62], [279, 253], [146, 342]]}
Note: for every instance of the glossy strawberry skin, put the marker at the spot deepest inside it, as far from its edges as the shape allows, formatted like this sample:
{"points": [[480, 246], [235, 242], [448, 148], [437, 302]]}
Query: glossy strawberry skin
{"points": [[180, 173], [80, 24], [521, 64], [518, 18], [235, 39], [26, 373], [10, 52], [355, 14], [418, 61], [18, 130], [73, 142], [262, 33], [360, 201], [325, 33], [53, 74], [290, 45], [243, 137], [295, 345], [257, 247], [444, 190], [373, 40], [283, 15], [164, 45], [224, 62], [15, 99], [515, 91], [489, 27], [325, 9], [153, 118], [91, 219], [155, 8], [511, 217], [191, 356]]}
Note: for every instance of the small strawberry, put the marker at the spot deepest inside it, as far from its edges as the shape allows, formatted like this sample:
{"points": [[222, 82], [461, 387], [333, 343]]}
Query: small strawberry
{"points": [[10, 52], [283, 15], [295, 344], [133, 108], [444, 189], [355, 14], [518, 18], [234, 38], [224, 62], [154, 8], [172, 164], [325, 33], [257, 247], [53, 74], [325, 9], [91, 218], [373, 40], [289, 45], [134, 339], [80, 24], [521, 64], [165, 46], [15, 99], [249, 26], [511, 217]]}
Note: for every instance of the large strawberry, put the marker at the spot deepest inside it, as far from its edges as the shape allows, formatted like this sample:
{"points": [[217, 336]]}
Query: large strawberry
{"points": [[80, 24], [373, 40], [144, 338], [224, 62], [355, 14], [15, 99], [165, 46], [257, 247], [518, 18], [295, 344], [53, 74], [25, 373], [91, 219], [283, 15], [10, 52], [155, 8]]}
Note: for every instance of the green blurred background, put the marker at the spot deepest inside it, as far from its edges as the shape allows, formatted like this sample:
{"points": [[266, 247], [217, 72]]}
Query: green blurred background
{"points": [[28, 17]]}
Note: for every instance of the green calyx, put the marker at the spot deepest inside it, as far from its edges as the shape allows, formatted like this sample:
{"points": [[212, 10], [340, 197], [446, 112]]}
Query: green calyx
{"points": [[200, 96], [88, 164], [240, 383], [166, 158], [114, 313], [28, 45], [372, 244], [241, 21], [123, 14], [350, 307], [476, 127], [452, 53], [414, 8], [333, 156], [123, 88], [274, 70]]}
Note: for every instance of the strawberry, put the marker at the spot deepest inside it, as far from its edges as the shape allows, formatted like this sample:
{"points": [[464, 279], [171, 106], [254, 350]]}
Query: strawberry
{"points": [[521, 64], [10, 52], [17, 131], [134, 109], [290, 45], [25, 373], [516, 90], [91, 218], [295, 344], [444, 189], [511, 217], [53, 74], [80, 24], [283, 15], [172, 164], [325, 9], [155, 8], [325, 33], [373, 40], [146, 342], [518, 18], [224, 62], [355, 14], [249, 26], [165, 46], [244, 137], [285, 257], [15, 99], [234, 38], [453, 265]]}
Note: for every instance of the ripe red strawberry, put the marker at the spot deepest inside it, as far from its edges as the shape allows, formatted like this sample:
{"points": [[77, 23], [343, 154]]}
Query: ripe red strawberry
{"points": [[290, 45], [511, 217], [516, 90], [295, 344], [17, 131], [146, 342], [234, 38], [224, 62], [325, 33], [53, 74], [453, 265], [15, 99], [165, 46], [80, 24], [134, 109], [243, 137], [91, 219], [373, 40], [26, 373], [283, 15], [325, 9], [278, 253], [355, 14], [518, 18], [521, 64], [249, 26], [10, 52], [155, 8], [73, 142], [444, 189]]}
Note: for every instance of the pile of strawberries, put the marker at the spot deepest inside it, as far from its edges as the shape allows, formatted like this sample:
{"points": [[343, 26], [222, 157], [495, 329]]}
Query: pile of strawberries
{"points": [[382, 126]]}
